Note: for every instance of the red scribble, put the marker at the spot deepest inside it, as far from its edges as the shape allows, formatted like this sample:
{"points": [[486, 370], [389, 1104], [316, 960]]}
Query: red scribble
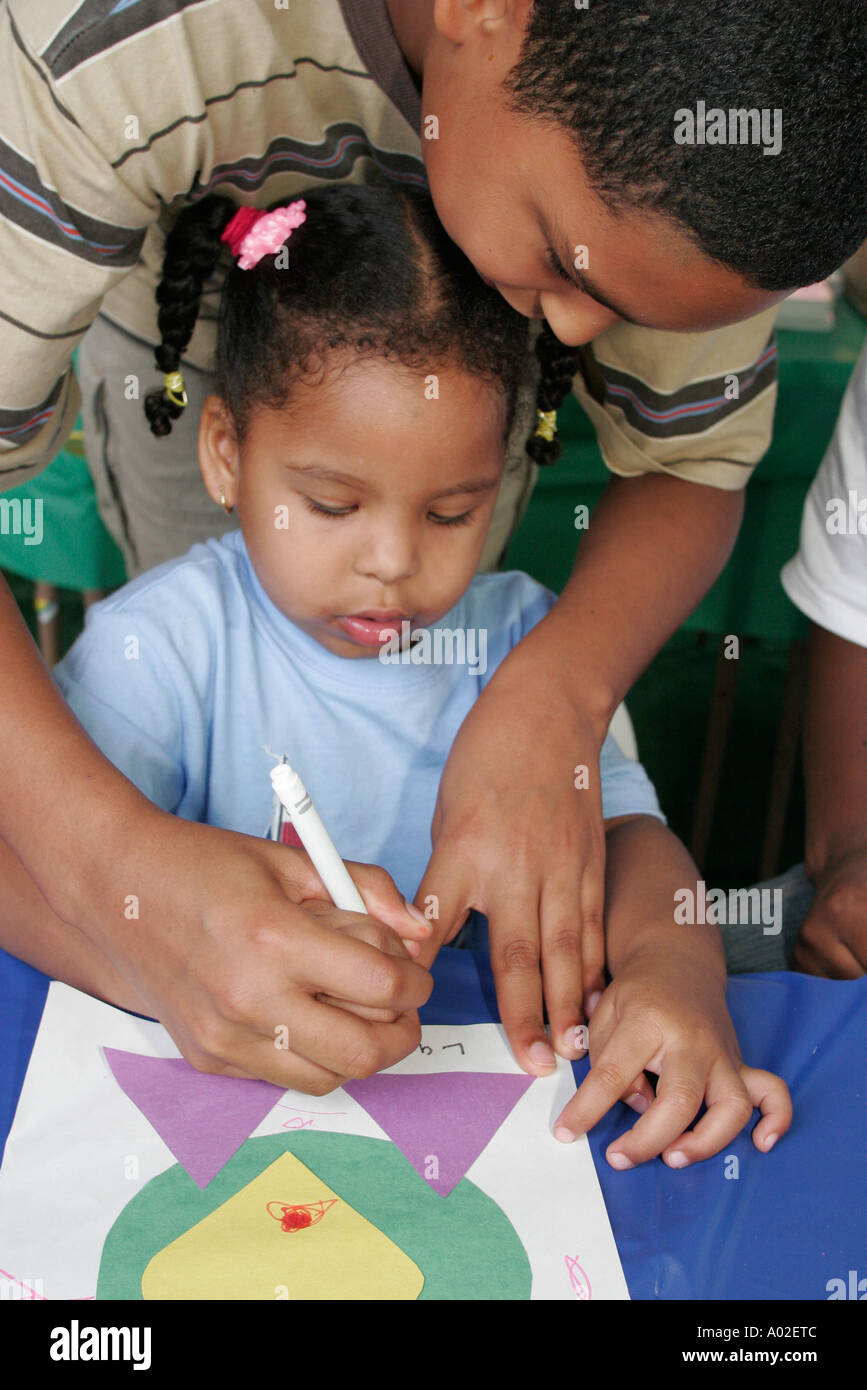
{"points": [[297, 1123], [300, 1216], [579, 1280]]}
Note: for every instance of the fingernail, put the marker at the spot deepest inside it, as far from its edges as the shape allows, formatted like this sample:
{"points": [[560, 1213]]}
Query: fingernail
{"points": [[541, 1054], [416, 915], [619, 1161], [592, 1001], [577, 1037], [564, 1135], [677, 1159], [638, 1102], [412, 946], [771, 1141]]}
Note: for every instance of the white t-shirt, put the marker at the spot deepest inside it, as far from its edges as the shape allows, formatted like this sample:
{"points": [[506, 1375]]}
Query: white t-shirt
{"points": [[827, 579]]}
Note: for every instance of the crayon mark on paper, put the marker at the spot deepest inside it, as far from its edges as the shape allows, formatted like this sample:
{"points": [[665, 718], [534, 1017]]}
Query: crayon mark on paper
{"points": [[580, 1282], [300, 1216]]}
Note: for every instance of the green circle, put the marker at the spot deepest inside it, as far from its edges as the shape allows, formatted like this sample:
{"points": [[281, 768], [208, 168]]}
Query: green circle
{"points": [[464, 1244]]}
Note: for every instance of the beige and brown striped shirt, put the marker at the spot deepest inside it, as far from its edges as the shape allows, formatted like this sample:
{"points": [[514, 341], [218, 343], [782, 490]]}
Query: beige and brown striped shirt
{"points": [[114, 113]]}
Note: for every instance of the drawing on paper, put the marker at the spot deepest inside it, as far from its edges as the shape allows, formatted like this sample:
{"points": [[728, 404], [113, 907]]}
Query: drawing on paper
{"points": [[437, 1180], [387, 1234]]}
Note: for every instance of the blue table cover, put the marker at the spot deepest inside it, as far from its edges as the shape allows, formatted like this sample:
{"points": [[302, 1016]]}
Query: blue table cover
{"points": [[790, 1222]]}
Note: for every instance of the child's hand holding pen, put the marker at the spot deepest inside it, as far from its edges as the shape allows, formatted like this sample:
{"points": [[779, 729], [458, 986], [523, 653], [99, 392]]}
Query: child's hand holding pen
{"points": [[339, 879]]}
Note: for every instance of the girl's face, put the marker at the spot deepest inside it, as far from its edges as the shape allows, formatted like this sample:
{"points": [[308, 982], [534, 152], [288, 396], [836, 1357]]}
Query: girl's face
{"points": [[365, 500]]}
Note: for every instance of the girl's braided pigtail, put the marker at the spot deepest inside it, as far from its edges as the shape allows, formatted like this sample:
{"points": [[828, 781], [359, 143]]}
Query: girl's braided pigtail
{"points": [[558, 367], [192, 250]]}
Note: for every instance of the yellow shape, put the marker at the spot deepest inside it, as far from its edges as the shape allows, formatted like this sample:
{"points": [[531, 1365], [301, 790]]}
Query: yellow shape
{"points": [[240, 1250]]}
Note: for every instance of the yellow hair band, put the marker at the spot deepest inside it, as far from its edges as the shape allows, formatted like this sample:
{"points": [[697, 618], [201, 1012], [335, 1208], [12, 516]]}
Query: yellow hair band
{"points": [[173, 382], [547, 426]]}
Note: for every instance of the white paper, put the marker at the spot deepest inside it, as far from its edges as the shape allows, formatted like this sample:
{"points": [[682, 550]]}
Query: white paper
{"points": [[79, 1151]]}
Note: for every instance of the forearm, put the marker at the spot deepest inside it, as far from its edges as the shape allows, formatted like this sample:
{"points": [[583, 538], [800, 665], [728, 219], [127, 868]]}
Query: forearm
{"points": [[63, 805], [654, 547], [32, 931], [646, 866], [835, 750]]}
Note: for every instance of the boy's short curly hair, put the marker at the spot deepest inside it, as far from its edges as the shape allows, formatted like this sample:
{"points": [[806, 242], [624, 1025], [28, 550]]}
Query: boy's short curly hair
{"points": [[614, 74]]}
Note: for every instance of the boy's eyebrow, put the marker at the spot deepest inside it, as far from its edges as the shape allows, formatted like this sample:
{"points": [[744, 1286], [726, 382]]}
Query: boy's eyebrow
{"points": [[334, 475]]}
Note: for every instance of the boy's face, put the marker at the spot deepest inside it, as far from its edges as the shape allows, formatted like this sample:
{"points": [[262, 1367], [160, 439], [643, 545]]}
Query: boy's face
{"points": [[394, 465], [510, 191]]}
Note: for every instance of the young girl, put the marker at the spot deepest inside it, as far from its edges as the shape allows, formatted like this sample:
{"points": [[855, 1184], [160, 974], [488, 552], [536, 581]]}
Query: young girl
{"points": [[367, 383]]}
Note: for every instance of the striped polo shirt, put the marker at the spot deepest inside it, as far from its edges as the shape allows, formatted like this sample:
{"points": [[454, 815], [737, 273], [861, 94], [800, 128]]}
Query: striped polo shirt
{"points": [[116, 113]]}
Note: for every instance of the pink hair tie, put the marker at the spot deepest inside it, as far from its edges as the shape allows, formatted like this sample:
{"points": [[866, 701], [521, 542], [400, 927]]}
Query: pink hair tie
{"points": [[252, 234]]}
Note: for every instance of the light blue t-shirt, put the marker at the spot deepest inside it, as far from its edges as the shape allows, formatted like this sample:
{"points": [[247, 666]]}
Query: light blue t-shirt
{"points": [[193, 683]]}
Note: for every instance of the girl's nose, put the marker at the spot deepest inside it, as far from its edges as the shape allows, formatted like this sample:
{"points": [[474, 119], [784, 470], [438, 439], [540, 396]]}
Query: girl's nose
{"points": [[389, 555]]}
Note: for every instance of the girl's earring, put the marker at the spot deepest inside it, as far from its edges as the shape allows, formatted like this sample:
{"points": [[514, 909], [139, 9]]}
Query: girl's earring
{"points": [[228, 510]]}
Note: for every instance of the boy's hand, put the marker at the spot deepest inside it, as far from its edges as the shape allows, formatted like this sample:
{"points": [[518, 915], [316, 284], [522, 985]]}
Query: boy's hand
{"points": [[513, 836], [833, 938], [678, 1027], [516, 840]]}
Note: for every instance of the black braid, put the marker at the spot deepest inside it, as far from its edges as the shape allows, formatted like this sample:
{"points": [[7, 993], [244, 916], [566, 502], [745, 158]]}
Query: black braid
{"points": [[373, 272], [558, 367], [192, 250]]}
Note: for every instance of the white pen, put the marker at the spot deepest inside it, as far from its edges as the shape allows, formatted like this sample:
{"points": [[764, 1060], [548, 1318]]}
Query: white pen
{"points": [[315, 838]]}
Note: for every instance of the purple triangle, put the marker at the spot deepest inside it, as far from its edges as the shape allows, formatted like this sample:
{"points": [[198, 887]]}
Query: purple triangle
{"points": [[203, 1119], [449, 1117]]}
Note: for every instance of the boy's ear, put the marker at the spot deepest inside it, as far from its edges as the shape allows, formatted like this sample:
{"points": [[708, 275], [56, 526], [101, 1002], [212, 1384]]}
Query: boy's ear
{"points": [[456, 19], [219, 455]]}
